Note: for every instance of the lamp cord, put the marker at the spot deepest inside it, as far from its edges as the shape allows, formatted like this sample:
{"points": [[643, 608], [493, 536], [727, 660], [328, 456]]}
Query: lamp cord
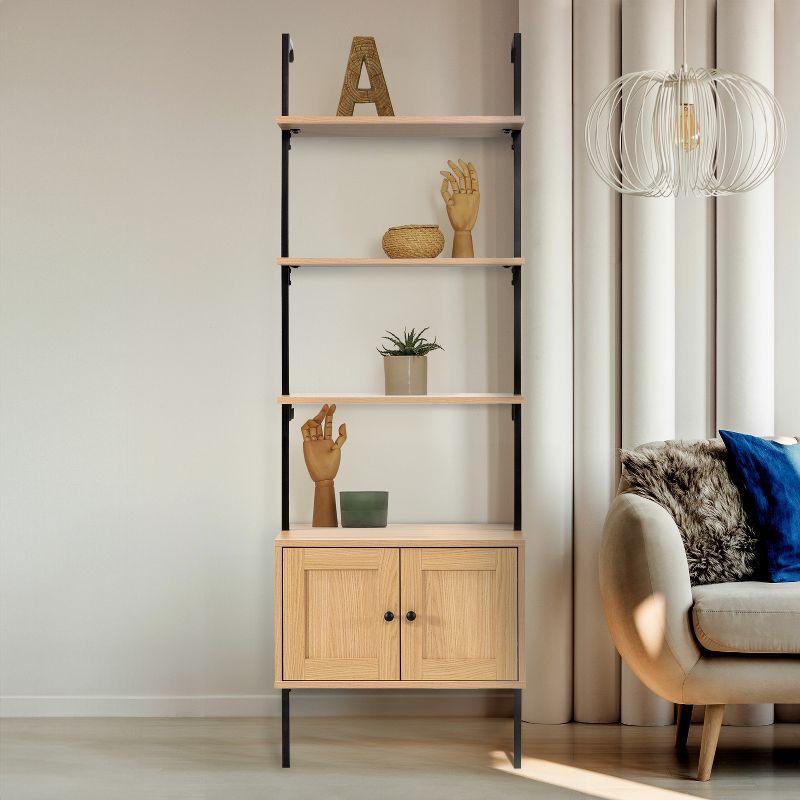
{"points": [[685, 63]]}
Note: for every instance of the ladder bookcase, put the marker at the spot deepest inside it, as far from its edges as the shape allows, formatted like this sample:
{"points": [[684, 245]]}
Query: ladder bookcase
{"points": [[427, 605]]}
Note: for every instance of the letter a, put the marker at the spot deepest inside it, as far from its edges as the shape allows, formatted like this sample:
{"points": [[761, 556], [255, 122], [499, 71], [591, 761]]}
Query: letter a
{"points": [[364, 50]]}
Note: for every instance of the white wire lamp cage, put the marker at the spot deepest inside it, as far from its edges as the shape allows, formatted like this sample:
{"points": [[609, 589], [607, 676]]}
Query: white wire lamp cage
{"points": [[695, 131]]}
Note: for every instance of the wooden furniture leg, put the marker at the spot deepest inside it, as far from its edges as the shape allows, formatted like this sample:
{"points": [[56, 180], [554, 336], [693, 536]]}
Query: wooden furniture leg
{"points": [[682, 728], [517, 728], [285, 728], [708, 744]]}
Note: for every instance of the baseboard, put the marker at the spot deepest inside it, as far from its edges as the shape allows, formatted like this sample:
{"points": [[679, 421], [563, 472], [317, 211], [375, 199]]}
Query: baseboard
{"points": [[305, 702]]}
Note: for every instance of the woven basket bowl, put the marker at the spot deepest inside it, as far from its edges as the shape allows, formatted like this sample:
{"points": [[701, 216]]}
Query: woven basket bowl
{"points": [[413, 241]]}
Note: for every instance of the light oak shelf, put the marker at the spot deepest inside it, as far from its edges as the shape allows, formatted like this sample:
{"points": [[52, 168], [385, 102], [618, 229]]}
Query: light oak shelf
{"points": [[428, 606], [402, 399], [405, 534], [467, 127], [400, 262]]}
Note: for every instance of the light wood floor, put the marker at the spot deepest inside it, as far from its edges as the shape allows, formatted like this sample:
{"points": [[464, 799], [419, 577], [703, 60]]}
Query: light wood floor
{"points": [[381, 759]]}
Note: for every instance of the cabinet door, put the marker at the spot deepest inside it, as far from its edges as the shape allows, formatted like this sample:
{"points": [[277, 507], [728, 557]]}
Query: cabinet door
{"points": [[334, 601], [465, 601]]}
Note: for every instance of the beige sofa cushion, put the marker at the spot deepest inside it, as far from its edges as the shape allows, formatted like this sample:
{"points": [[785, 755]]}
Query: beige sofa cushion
{"points": [[747, 617]]}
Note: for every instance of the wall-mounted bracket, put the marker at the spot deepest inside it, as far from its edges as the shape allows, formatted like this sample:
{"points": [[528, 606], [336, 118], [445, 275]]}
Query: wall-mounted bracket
{"points": [[513, 135], [514, 272]]}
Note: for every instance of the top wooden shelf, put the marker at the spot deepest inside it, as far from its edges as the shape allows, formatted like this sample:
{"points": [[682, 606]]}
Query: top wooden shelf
{"points": [[466, 127]]}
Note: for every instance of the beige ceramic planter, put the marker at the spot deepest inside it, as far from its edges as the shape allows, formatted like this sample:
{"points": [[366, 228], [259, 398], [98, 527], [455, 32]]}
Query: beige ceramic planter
{"points": [[406, 374]]}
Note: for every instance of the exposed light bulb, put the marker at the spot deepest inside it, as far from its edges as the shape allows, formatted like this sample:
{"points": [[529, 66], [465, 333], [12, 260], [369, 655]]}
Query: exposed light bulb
{"points": [[688, 133]]}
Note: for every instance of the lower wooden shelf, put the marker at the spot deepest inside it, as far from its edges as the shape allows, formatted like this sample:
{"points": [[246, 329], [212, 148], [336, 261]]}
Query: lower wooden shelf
{"points": [[464, 398]]}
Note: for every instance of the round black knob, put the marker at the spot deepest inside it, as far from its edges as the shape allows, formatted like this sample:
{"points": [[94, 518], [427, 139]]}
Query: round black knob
{"points": [[388, 616], [411, 616]]}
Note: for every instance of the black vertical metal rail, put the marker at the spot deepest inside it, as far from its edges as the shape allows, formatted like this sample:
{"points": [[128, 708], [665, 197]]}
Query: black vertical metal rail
{"points": [[516, 280], [287, 412], [516, 272]]}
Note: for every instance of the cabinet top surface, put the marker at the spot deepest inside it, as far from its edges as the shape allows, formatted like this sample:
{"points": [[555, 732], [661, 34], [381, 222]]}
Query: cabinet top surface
{"points": [[404, 535]]}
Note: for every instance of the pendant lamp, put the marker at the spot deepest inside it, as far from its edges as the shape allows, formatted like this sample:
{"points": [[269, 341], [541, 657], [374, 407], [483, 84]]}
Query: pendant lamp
{"points": [[695, 131]]}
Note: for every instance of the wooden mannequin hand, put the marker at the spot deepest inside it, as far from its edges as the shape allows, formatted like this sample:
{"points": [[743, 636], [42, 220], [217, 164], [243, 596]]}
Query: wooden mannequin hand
{"points": [[462, 199], [322, 456], [321, 453]]}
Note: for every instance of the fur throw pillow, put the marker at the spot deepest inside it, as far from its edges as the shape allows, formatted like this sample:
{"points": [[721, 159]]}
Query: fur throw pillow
{"points": [[691, 481]]}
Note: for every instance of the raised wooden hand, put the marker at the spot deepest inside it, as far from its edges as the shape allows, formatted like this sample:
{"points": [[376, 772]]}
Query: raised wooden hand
{"points": [[462, 199], [323, 456]]}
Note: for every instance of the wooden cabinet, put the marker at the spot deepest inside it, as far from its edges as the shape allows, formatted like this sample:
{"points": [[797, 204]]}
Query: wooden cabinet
{"points": [[375, 611]]}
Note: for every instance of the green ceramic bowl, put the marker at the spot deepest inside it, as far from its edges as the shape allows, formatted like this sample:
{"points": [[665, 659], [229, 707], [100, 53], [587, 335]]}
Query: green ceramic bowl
{"points": [[364, 509]]}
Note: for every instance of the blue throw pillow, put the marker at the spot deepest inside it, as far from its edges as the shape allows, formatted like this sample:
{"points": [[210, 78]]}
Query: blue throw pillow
{"points": [[768, 477]]}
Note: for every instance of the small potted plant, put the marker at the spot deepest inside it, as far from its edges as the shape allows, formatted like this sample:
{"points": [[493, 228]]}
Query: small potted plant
{"points": [[405, 362]]}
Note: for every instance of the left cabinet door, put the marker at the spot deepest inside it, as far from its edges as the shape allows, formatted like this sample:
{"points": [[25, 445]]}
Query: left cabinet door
{"points": [[335, 601]]}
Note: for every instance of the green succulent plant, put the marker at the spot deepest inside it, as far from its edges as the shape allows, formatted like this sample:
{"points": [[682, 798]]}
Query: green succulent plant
{"points": [[410, 344]]}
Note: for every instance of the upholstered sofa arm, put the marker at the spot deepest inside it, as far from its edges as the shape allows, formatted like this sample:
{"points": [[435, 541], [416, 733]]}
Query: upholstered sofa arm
{"points": [[644, 581]]}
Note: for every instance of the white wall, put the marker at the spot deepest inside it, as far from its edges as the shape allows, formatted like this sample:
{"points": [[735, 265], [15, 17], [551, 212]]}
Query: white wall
{"points": [[140, 326]]}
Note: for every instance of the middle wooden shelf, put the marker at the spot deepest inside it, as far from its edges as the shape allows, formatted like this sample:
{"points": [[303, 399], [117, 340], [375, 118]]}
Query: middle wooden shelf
{"points": [[440, 262], [463, 399]]}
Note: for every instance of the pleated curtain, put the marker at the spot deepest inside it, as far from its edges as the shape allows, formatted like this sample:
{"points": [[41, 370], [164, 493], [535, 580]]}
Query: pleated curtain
{"points": [[645, 319]]}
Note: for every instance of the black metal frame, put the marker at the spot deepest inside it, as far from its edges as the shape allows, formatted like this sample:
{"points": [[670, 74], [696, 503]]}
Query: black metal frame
{"points": [[287, 411], [286, 742], [516, 280], [517, 759]]}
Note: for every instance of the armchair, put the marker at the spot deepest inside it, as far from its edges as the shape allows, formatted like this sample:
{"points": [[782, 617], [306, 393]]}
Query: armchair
{"points": [[711, 645]]}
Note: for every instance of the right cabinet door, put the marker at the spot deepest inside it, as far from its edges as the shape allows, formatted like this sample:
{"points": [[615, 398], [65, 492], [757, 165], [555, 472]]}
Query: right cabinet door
{"points": [[463, 604]]}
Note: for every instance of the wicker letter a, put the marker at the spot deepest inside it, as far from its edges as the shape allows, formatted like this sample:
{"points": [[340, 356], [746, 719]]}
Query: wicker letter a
{"points": [[363, 50]]}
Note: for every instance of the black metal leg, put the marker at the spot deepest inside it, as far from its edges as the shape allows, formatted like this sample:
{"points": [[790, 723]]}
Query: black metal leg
{"points": [[285, 728], [517, 728]]}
